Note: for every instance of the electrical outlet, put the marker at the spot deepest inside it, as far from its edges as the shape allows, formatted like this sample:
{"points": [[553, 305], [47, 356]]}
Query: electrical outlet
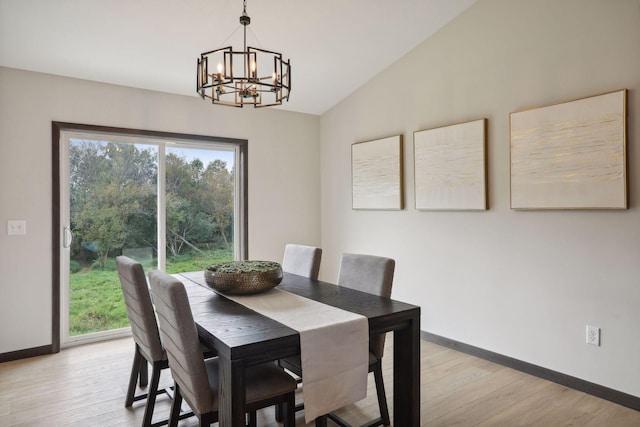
{"points": [[16, 227], [593, 335]]}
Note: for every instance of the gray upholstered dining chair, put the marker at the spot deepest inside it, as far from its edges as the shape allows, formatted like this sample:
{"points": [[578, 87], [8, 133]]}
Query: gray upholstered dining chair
{"points": [[144, 328], [196, 379], [374, 275], [302, 260]]}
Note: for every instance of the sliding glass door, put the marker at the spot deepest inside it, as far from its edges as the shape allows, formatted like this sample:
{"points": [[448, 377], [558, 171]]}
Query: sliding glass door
{"points": [[170, 203]]}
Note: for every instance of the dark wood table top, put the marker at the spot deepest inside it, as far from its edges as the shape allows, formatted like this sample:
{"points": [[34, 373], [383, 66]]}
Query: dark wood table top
{"points": [[382, 312], [233, 330], [238, 332]]}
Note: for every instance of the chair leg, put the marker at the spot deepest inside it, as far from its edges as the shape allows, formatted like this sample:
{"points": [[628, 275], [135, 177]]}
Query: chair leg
{"points": [[279, 412], [133, 378], [290, 413], [383, 420], [151, 394], [144, 373], [382, 397], [205, 420], [253, 419], [321, 421], [338, 421], [176, 403]]}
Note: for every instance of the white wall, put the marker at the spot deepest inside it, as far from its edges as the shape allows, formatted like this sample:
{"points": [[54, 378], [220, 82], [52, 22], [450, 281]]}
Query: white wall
{"points": [[521, 283], [284, 186]]}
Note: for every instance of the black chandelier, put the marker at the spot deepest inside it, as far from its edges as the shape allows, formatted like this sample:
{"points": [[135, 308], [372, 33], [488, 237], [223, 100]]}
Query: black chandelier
{"points": [[253, 76]]}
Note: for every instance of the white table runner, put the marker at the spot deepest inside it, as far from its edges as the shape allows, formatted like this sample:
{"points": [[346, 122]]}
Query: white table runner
{"points": [[334, 347]]}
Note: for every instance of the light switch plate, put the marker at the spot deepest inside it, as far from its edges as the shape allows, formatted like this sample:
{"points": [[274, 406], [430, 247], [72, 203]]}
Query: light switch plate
{"points": [[15, 227]]}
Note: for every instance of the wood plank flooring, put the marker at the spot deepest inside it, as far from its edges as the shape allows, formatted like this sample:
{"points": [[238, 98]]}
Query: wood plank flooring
{"points": [[86, 385]]}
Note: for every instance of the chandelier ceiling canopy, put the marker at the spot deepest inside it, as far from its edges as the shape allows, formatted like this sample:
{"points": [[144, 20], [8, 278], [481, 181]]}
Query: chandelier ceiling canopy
{"points": [[252, 76]]}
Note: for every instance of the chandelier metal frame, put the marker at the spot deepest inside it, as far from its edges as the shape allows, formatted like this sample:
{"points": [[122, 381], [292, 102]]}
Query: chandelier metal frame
{"points": [[241, 77]]}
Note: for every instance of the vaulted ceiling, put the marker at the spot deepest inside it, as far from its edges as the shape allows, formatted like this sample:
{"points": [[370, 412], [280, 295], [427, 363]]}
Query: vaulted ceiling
{"points": [[335, 46]]}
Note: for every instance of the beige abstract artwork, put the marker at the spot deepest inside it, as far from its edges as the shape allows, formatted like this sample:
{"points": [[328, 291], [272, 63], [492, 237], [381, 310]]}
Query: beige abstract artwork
{"points": [[570, 155], [376, 171], [450, 172]]}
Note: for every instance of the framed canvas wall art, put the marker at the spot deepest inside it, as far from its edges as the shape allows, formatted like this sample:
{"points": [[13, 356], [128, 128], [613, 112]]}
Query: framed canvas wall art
{"points": [[450, 167], [570, 155], [376, 174]]}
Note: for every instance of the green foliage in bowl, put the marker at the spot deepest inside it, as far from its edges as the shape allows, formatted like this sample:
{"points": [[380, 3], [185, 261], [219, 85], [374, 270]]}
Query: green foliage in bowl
{"points": [[237, 267], [243, 277]]}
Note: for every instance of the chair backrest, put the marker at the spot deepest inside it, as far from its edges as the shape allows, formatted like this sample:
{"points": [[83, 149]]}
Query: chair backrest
{"points": [[371, 274], [142, 317], [302, 260], [181, 341]]}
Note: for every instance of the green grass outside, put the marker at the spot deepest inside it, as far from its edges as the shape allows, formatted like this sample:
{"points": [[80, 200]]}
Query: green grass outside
{"points": [[96, 302]]}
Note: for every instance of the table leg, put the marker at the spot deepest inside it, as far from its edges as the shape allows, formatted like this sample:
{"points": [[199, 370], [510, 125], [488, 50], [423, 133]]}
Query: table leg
{"points": [[232, 393], [406, 375]]}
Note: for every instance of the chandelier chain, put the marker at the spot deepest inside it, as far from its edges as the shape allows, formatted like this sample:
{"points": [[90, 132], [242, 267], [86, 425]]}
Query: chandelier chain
{"points": [[230, 35]]}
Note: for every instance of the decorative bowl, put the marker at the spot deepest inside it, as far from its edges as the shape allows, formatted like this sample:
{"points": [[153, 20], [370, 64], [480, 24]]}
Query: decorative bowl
{"points": [[243, 277]]}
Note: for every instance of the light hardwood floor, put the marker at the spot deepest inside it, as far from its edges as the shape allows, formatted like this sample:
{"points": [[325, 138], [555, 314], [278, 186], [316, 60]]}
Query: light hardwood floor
{"points": [[85, 386]]}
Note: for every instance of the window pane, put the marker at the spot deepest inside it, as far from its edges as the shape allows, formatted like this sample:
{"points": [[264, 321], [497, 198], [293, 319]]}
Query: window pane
{"points": [[113, 193], [199, 207]]}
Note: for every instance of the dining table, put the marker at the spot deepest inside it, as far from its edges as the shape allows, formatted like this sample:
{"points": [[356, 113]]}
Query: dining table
{"points": [[242, 337]]}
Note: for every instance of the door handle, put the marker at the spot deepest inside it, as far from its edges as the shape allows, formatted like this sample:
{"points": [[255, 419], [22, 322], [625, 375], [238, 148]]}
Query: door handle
{"points": [[68, 238]]}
